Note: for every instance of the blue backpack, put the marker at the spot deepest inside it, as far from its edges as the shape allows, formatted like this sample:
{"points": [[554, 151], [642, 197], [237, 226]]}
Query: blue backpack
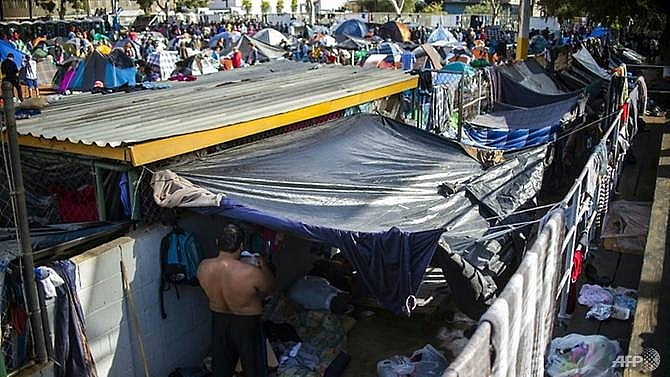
{"points": [[180, 257]]}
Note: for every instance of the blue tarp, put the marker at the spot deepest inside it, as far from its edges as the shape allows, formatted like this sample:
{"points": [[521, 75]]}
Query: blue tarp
{"points": [[520, 128], [371, 186], [5, 48]]}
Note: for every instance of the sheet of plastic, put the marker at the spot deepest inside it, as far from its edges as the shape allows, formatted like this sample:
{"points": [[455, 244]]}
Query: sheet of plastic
{"points": [[528, 93], [381, 191], [519, 128]]}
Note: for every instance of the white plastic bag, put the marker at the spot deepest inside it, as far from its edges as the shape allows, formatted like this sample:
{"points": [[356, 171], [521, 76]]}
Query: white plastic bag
{"points": [[582, 355]]}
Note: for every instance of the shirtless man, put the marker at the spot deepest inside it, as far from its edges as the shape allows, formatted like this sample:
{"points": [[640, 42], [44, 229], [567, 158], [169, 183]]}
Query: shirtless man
{"points": [[235, 290]]}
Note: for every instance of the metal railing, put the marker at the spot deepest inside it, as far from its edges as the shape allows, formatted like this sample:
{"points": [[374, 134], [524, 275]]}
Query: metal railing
{"points": [[516, 329]]}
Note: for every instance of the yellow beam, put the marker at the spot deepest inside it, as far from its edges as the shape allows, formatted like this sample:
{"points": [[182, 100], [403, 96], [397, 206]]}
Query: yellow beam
{"points": [[113, 153], [151, 151]]}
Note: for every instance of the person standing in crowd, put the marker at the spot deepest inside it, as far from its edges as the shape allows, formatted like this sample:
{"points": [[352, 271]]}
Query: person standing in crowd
{"points": [[10, 73], [236, 290], [407, 59], [31, 76]]}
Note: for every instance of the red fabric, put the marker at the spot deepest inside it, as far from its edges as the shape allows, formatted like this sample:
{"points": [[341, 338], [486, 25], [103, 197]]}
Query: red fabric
{"points": [[18, 318], [76, 205], [577, 261], [624, 114], [237, 59]]}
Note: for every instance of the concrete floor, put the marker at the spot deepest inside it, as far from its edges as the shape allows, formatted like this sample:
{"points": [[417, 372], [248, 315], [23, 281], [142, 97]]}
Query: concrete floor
{"points": [[384, 335]]}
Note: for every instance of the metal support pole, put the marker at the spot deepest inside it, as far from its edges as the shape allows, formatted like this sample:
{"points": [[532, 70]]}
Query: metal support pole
{"points": [[460, 108], [133, 182], [524, 26], [19, 198]]}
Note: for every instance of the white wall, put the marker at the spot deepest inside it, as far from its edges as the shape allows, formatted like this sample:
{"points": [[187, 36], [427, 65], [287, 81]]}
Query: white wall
{"points": [[180, 340]]}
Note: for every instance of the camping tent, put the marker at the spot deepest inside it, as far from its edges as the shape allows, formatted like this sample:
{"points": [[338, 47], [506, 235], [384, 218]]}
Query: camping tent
{"points": [[270, 36], [383, 193], [442, 37], [46, 70], [199, 65], [228, 37], [353, 27], [97, 67], [347, 42], [266, 52], [163, 62], [121, 43], [395, 31]]}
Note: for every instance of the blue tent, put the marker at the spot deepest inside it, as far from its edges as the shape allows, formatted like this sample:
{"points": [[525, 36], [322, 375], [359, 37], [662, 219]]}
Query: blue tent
{"points": [[100, 68], [6, 48], [353, 27]]}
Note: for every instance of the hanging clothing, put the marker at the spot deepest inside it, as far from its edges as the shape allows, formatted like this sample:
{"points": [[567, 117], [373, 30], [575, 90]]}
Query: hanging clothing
{"points": [[73, 355], [441, 106]]}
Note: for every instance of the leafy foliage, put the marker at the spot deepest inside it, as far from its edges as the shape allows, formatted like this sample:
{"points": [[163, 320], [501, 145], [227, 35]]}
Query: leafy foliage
{"points": [[265, 6], [489, 7], [246, 5], [145, 5], [280, 6], [74, 4], [645, 14], [191, 4], [434, 8], [49, 6], [294, 6], [409, 6]]}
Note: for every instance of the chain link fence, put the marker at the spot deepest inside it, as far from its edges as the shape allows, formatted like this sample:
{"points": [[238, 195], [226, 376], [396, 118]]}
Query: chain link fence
{"points": [[57, 189]]}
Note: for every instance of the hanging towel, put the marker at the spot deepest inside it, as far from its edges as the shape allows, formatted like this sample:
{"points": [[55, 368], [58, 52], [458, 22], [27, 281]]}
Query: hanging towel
{"points": [[73, 355]]}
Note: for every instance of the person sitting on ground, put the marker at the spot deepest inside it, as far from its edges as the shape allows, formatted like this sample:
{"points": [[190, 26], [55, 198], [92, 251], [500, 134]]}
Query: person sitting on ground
{"points": [[237, 58], [236, 290], [253, 55]]}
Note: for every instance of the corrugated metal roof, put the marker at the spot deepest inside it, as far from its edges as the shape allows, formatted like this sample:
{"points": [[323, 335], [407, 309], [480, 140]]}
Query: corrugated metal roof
{"points": [[213, 101]]}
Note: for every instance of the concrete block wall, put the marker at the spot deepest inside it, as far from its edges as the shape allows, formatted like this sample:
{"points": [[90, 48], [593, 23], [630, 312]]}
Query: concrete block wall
{"points": [[181, 340]]}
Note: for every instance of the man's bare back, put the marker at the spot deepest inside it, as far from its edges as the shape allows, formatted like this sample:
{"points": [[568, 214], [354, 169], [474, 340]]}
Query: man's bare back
{"points": [[233, 286]]}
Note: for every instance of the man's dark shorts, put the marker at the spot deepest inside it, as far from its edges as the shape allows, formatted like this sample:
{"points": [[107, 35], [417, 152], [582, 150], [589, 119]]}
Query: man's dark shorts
{"points": [[238, 337]]}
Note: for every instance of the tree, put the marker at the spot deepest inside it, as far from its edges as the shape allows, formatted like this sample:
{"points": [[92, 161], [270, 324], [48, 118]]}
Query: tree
{"points": [[434, 8], [280, 6], [246, 5], [409, 7], [294, 6], [397, 6], [488, 7], [74, 4], [646, 15], [191, 4], [145, 5], [48, 5], [265, 7]]}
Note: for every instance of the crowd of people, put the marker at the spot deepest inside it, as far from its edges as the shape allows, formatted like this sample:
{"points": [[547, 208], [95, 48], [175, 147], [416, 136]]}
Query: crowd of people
{"points": [[306, 43]]}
